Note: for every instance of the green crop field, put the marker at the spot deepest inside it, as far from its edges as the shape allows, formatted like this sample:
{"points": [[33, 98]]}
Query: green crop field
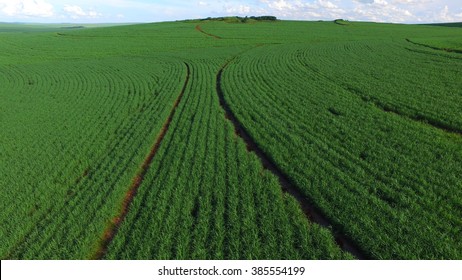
{"points": [[209, 139]]}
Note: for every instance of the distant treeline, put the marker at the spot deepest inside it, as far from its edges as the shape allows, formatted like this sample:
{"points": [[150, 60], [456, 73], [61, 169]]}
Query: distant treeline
{"points": [[73, 27], [341, 21], [237, 19], [450, 24]]}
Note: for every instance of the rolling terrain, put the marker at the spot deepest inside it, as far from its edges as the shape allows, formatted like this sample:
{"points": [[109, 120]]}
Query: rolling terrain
{"points": [[218, 140]]}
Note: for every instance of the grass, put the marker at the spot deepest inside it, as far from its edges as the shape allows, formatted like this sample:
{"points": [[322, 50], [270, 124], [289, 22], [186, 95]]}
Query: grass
{"points": [[363, 118]]}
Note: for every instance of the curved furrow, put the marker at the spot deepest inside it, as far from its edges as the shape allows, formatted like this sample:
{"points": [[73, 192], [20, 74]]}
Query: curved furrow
{"points": [[111, 230], [333, 144], [311, 212], [224, 211], [79, 192], [337, 145]]}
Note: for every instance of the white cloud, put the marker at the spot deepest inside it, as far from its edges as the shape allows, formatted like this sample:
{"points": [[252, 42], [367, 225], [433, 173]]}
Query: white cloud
{"points": [[74, 10], [411, 1], [376, 2], [405, 10], [77, 12], [142, 10], [327, 4], [26, 8], [446, 16], [239, 10], [381, 10], [298, 9]]}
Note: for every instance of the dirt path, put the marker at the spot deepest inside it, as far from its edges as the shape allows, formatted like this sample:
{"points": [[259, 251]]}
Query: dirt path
{"points": [[435, 124], [313, 214], [199, 28], [434, 48], [111, 230], [421, 119]]}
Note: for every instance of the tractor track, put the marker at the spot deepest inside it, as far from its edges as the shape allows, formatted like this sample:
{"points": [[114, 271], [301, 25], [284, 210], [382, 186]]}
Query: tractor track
{"points": [[199, 28], [113, 226], [434, 48], [419, 118], [312, 214]]}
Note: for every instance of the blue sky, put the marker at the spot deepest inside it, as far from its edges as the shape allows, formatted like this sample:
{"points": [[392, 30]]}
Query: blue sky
{"points": [[100, 11]]}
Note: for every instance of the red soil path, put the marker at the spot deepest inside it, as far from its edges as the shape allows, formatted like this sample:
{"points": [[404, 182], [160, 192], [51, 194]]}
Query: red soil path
{"points": [[313, 214], [199, 28], [112, 228]]}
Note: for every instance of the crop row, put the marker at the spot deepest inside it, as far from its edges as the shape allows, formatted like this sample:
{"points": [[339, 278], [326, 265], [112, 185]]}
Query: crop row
{"points": [[206, 197], [355, 116], [391, 183], [399, 89], [90, 125]]}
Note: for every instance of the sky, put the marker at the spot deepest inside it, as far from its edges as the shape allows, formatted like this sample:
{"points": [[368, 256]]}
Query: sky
{"points": [[114, 11]]}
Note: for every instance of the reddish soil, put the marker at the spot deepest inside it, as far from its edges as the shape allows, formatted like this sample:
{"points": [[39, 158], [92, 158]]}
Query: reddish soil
{"points": [[114, 224], [199, 28], [311, 212]]}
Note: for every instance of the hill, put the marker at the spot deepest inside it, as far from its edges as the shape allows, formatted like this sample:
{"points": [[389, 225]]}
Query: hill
{"points": [[451, 24], [208, 140]]}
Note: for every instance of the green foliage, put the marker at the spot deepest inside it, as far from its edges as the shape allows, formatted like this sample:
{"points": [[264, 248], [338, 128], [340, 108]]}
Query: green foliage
{"points": [[342, 22], [450, 24], [76, 130], [236, 19], [212, 198], [356, 117], [363, 128]]}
